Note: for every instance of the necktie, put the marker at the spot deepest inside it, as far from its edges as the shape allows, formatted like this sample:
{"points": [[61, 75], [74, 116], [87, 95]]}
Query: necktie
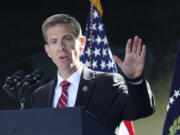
{"points": [[62, 102]]}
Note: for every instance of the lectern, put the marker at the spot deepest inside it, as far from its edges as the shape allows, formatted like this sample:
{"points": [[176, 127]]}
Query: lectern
{"points": [[49, 121]]}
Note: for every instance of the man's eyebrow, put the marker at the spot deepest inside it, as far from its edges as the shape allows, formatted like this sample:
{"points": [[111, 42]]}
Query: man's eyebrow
{"points": [[52, 39], [69, 34]]}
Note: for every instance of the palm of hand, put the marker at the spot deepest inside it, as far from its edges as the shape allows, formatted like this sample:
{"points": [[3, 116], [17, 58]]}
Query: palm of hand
{"points": [[133, 64]]}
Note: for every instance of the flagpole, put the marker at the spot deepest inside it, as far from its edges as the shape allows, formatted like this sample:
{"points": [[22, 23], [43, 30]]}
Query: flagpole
{"points": [[91, 33]]}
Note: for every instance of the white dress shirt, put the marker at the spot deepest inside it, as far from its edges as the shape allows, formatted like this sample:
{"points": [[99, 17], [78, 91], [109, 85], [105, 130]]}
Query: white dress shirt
{"points": [[72, 90]]}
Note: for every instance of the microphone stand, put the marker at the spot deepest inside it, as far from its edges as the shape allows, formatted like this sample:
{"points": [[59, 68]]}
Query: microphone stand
{"points": [[21, 92], [29, 81], [22, 102], [22, 99]]}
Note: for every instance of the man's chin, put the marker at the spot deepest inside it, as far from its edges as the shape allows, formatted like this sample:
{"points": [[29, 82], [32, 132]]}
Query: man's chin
{"points": [[65, 67]]}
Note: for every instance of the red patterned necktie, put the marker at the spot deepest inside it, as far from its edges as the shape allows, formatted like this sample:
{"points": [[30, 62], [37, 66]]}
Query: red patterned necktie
{"points": [[62, 102]]}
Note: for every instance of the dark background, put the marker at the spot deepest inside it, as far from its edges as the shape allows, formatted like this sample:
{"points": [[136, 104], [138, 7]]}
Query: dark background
{"points": [[156, 22]]}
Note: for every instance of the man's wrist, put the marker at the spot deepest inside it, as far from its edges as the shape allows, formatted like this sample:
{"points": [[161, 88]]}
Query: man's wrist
{"points": [[135, 81]]}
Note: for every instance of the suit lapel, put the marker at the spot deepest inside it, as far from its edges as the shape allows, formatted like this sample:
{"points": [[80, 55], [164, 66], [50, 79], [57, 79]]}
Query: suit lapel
{"points": [[86, 87], [51, 89]]}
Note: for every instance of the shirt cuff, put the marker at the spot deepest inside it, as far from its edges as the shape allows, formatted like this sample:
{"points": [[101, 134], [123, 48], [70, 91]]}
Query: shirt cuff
{"points": [[135, 81]]}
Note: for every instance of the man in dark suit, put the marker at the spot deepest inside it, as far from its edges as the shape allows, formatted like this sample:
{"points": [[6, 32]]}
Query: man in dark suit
{"points": [[108, 96]]}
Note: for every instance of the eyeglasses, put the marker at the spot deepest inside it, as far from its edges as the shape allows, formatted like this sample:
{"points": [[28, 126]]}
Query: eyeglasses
{"points": [[66, 41]]}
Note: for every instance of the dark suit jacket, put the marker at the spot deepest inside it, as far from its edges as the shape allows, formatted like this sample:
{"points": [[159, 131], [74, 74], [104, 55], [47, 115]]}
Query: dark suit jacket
{"points": [[109, 97]]}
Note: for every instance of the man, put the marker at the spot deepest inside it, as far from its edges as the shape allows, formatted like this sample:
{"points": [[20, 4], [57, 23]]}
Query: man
{"points": [[108, 96]]}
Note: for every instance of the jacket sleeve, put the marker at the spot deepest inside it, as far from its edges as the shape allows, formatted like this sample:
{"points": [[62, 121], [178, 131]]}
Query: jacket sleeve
{"points": [[122, 100], [140, 101]]}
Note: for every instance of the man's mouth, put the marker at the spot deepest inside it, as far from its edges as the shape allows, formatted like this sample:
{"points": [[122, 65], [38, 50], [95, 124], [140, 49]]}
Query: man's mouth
{"points": [[63, 57]]}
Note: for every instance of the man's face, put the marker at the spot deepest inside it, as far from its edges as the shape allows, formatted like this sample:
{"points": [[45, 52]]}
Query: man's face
{"points": [[63, 48]]}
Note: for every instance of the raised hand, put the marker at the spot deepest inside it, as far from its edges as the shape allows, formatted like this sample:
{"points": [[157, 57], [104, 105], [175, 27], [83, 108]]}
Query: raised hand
{"points": [[134, 60]]}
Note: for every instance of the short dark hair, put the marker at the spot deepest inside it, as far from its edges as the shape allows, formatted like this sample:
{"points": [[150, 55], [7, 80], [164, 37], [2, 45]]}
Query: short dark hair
{"points": [[61, 19]]}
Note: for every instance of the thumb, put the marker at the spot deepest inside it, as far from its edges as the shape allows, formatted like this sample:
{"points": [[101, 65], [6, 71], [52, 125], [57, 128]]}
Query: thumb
{"points": [[117, 60]]}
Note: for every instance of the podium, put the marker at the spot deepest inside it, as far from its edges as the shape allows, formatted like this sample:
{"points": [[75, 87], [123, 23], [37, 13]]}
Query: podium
{"points": [[51, 121]]}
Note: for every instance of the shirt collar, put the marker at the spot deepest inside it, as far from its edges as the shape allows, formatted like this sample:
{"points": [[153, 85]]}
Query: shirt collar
{"points": [[73, 78]]}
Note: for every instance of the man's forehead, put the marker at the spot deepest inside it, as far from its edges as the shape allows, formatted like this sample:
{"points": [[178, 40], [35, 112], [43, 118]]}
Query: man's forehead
{"points": [[60, 28]]}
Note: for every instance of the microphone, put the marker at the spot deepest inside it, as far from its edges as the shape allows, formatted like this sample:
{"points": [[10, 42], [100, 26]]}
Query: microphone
{"points": [[29, 81], [32, 79], [11, 83], [15, 85]]}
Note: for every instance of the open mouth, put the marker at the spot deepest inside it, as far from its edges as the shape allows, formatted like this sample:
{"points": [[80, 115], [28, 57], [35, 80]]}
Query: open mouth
{"points": [[63, 57]]}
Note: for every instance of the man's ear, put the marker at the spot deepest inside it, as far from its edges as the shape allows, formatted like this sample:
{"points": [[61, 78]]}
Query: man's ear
{"points": [[46, 48], [82, 41]]}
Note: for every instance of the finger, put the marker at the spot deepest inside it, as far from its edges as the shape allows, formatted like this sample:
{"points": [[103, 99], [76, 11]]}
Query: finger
{"points": [[128, 46], [117, 60], [143, 54], [135, 43], [139, 47]]}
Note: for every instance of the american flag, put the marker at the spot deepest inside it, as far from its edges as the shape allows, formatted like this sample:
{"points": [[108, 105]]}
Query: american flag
{"points": [[98, 57], [100, 51]]}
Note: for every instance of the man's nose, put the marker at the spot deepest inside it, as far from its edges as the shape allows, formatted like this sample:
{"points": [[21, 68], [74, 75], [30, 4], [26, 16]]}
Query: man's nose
{"points": [[61, 46]]}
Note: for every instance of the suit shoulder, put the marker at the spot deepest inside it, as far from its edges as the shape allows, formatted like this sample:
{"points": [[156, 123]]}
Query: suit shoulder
{"points": [[112, 77], [112, 81], [43, 87]]}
